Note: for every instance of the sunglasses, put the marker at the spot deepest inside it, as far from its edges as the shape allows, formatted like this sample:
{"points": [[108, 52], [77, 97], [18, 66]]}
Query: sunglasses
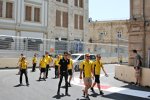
{"points": [[65, 55], [87, 56]]}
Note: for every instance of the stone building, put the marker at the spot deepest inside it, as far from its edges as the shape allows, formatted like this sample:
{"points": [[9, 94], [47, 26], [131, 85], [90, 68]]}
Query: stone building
{"points": [[51, 19], [139, 30], [68, 19], [108, 32]]}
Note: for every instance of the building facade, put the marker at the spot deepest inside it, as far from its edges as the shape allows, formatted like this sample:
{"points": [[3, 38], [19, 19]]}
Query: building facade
{"points": [[51, 19], [139, 30], [108, 32], [68, 20], [25, 18]]}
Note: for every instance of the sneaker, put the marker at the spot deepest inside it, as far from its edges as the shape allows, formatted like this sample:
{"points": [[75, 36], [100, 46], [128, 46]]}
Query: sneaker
{"points": [[44, 79], [101, 93], [92, 89], [27, 84], [67, 94], [69, 84], [20, 84], [87, 97], [58, 93]]}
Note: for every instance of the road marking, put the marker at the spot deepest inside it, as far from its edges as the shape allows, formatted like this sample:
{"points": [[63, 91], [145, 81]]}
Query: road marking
{"points": [[120, 90]]}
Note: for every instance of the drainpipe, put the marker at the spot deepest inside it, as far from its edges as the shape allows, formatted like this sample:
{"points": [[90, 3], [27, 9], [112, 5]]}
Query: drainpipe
{"points": [[144, 37]]}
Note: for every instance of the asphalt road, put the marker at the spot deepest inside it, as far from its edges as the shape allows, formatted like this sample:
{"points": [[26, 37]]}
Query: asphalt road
{"points": [[46, 90]]}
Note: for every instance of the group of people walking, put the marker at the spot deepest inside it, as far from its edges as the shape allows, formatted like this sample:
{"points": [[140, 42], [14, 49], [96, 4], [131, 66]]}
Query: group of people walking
{"points": [[63, 68]]}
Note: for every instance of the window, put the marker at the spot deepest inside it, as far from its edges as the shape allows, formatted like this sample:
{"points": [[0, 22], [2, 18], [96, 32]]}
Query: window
{"points": [[76, 21], [1, 8], [75, 2], [37, 14], [81, 3], [65, 1], [58, 18], [81, 57], [81, 23], [92, 57], [9, 10], [28, 13], [58, 0], [65, 19]]}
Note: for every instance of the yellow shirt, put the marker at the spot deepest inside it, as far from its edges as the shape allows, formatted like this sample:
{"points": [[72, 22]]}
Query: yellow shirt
{"points": [[23, 64], [70, 64], [19, 61], [97, 65], [56, 62], [34, 59], [43, 63], [48, 59], [87, 68]]}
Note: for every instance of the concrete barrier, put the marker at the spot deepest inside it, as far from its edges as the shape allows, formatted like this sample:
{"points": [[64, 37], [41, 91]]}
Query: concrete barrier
{"points": [[127, 74]]}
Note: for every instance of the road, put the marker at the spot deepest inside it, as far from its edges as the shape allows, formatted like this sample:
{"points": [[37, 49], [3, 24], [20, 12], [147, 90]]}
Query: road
{"points": [[46, 90]]}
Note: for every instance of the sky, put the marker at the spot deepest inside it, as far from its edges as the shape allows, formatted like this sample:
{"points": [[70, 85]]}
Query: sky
{"points": [[109, 9]]}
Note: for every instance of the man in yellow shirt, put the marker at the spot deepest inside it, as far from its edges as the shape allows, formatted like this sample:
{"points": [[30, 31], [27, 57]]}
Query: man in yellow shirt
{"points": [[34, 61], [18, 64], [23, 70], [48, 61], [86, 70], [42, 67], [97, 66], [70, 66]]}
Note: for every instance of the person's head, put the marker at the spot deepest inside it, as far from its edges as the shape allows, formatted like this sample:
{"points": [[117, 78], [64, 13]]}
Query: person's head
{"points": [[134, 51], [46, 53], [65, 55], [69, 55], [57, 56], [21, 54], [23, 58], [35, 55], [87, 56], [98, 56], [43, 56]]}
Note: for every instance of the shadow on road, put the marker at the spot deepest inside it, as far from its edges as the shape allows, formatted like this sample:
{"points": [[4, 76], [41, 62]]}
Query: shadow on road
{"points": [[58, 96], [18, 85]]}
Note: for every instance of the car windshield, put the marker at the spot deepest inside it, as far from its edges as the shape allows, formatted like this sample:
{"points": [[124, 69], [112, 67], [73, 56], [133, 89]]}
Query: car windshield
{"points": [[74, 56]]}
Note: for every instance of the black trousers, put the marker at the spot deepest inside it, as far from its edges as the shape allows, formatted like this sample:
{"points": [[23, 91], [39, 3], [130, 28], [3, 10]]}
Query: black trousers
{"points": [[23, 71], [33, 67], [64, 74], [56, 71], [47, 68]]}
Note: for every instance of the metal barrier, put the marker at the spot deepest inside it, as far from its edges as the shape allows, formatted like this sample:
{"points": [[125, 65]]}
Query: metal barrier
{"points": [[13, 46]]}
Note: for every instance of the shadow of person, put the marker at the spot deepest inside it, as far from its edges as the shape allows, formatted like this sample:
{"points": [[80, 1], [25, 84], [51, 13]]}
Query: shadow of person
{"points": [[58, 96], [18, 85], [94, 94]]}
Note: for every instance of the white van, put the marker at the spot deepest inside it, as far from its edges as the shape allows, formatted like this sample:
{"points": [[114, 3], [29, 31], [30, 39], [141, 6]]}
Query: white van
{"points": [[78, 57]]}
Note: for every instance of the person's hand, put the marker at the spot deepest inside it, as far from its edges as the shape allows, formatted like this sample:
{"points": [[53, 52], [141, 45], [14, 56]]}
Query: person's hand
{"points": [[106, 75], [93, 77], [80, 77]]}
